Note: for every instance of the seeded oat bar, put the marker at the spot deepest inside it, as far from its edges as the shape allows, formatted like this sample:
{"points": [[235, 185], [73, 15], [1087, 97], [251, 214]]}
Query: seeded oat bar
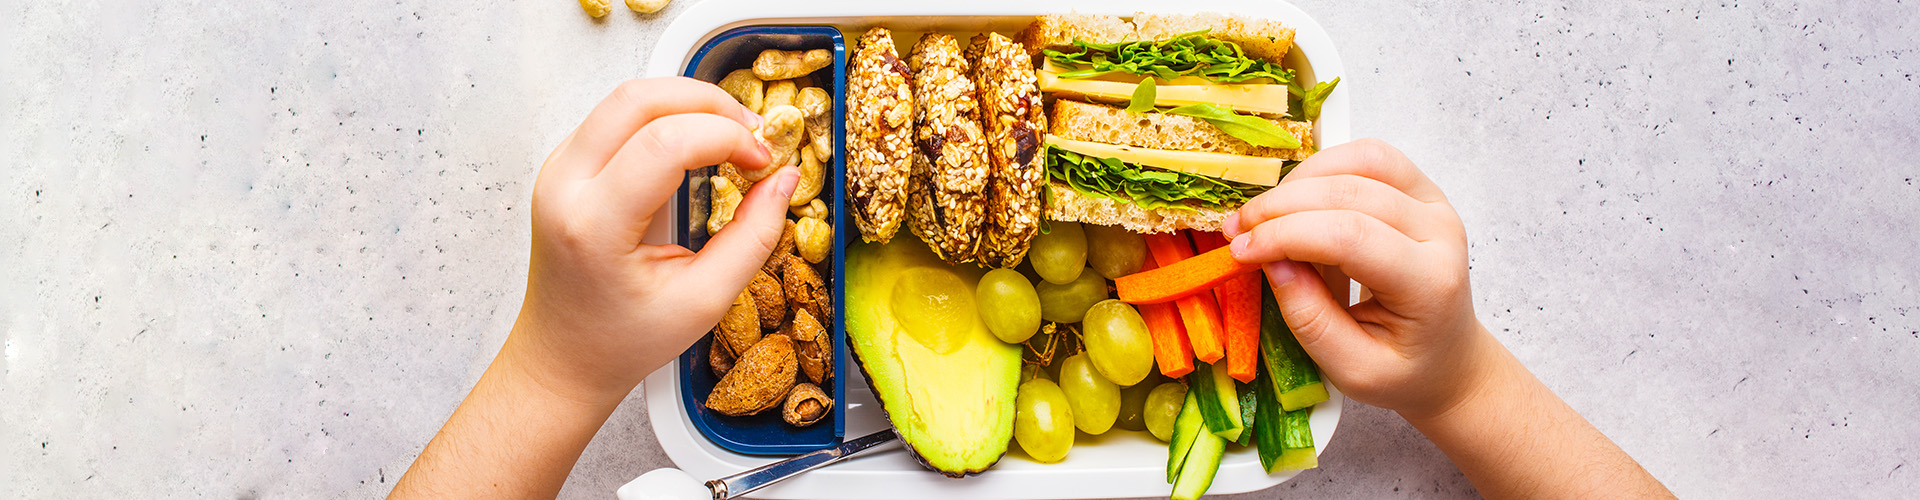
{"points": [[879, 135], [1013, 119], [947, 202]]}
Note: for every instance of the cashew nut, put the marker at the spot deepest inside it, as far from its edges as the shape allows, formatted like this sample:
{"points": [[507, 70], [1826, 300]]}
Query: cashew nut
{"points": [[813, 238], [814, 102], [780, 93], [813, 176], [817, 105], [815, 209], [647, 6], [781, 132], [783, 64], [597, 8], [726, 197], [744, 87]]}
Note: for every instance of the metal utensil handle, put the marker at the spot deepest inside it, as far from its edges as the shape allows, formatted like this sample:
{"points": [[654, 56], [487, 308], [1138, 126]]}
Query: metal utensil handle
{"points": [[745, 482]]}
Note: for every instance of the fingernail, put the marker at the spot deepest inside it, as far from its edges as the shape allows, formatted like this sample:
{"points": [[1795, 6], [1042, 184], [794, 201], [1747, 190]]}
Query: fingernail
{"points": [[1239, 246], [788, 179], [753, 119], [1231, 226], [1283, 272]]}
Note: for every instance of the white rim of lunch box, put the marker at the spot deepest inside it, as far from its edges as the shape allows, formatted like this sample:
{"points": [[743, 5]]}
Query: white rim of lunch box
{"points": [[889, 473]]}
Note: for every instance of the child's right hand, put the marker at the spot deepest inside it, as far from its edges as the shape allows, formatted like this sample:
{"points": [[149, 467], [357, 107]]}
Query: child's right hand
{"points": [[1415, 346]]}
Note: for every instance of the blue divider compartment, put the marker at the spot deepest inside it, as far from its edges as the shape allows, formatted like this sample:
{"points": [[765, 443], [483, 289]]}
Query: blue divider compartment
{"points": [[766, 433]]}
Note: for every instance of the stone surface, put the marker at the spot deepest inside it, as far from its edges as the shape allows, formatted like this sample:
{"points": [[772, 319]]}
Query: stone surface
{"points": [[263, 249]]}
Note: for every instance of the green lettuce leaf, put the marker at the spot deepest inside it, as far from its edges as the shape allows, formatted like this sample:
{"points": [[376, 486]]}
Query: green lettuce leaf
{"points": [[1195, 53], [1306, 102], [1143, 96], [1253, 129], [1147, 187]]}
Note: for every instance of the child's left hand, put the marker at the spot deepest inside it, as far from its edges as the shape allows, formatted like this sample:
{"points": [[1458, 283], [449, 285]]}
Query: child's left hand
{"points": [[603, 309]]}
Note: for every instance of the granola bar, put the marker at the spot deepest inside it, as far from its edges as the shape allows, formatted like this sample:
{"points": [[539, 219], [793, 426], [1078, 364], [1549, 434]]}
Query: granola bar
{"points": [[1011, 115], [879, 136], [947, 200]]}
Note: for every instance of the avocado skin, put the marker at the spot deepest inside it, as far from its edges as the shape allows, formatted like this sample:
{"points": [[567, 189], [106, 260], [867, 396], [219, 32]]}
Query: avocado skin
{"points": [[996, 355]]}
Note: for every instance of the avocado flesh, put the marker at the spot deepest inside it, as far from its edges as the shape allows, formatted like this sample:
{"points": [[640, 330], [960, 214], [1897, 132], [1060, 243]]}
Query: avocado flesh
{"points": [[946, 383]]}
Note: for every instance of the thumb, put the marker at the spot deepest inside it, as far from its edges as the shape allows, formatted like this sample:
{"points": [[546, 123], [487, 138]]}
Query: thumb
{"points": [[1321, 323], [734, 255]]}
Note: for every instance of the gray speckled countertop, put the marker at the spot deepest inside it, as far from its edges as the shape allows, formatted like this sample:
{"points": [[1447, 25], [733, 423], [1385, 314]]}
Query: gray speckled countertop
{"points": [[262, 249]]}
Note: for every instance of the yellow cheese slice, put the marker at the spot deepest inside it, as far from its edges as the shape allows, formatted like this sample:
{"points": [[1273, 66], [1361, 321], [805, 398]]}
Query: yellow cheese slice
{"points": [[1254, 170], [1250, 98]]}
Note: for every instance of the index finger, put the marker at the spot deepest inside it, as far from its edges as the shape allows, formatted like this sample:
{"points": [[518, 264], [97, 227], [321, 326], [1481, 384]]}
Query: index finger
{"points": [[633, 105], [1373, 159]]}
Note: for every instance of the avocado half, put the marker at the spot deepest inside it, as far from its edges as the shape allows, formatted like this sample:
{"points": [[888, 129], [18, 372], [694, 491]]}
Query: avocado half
{"points": [[946, 383]]}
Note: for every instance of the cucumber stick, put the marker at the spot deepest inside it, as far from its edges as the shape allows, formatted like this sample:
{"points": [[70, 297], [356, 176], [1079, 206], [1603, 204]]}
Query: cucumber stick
{"points": [[1297, 440], [1296, 380], [1283, 438], [1218, 397], [1203, 460], [1248, 402], [1186, 427]]}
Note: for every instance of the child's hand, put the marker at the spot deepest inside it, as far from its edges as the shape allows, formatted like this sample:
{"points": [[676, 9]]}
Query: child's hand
{"points": [[602, 309], [1415, 346]]}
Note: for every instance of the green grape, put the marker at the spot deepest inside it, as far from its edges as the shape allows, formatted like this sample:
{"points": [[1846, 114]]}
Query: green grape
{"points": [[1060, 253], [1115, 251], [1043, 421], [1132, 401], [1117, 339], [1163, 405], [1095, 400], [1068, 303], [1008, 305]]}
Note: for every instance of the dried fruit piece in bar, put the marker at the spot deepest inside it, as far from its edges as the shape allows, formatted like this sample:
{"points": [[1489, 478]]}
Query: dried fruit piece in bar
{"points": [[946, 199], [879, 117], [1011, 115]]}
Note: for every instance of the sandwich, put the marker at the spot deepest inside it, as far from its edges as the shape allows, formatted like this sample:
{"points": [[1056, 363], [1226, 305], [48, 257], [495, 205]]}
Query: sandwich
{"points": [[1167, 122]]}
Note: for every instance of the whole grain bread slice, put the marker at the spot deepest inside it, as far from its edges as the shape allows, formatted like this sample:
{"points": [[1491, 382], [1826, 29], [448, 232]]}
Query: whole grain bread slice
{"points": [[1066, 204], [1111, 125], [1260, 38]]}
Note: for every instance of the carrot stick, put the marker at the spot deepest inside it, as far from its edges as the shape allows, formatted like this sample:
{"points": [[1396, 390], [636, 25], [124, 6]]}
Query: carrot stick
{"points": [[1240, 308], [1239, 299], [1177, 279], [1170, 347], [1207, 242]]}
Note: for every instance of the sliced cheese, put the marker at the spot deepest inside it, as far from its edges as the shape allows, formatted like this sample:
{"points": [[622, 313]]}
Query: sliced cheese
{"points": [[1250, 98], [1237, 168]]}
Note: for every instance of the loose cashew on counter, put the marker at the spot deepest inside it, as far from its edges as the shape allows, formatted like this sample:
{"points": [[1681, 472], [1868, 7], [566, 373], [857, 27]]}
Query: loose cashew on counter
{"points": [[647, 6]]}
